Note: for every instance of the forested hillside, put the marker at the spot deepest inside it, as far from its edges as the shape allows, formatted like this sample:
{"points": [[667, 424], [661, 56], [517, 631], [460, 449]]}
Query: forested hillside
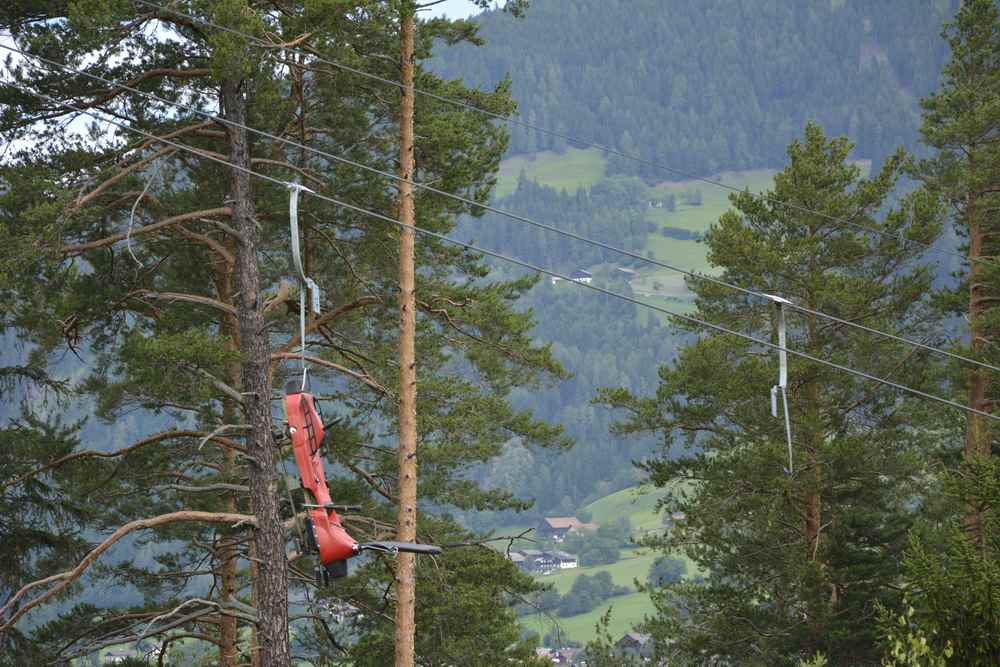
{"points": [[708, 86], [238, 302]]}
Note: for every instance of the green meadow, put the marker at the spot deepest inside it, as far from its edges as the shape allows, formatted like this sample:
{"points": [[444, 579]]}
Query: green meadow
{"points": [[574, 169], [639, 505]]}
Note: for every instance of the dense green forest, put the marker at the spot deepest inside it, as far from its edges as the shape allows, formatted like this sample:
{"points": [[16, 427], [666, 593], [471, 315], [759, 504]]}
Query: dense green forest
{"points": [[144, 287], [703, 87]]}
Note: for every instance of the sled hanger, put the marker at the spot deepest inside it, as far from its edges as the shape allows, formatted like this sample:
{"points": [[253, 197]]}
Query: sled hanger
{"points": [[305, 282], [782, 386]]}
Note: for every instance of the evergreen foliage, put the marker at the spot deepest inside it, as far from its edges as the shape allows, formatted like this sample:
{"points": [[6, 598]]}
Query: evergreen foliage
{"points": [[703, 87], [952, 574], [794, 561], [150, 308]]}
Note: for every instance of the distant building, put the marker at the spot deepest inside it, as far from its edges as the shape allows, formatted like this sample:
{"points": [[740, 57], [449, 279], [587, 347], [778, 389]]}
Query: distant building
{"points": [[582, 276], [556, 527], [627, 274], [533, 560], [635, 645], [565, 561], [566, 656]]}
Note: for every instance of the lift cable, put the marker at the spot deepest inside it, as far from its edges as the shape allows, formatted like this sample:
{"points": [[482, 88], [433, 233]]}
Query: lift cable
{"points": [[930, 247], [524, 264], [519, 218]]}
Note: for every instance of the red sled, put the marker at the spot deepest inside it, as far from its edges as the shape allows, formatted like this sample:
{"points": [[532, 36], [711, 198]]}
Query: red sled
{"points": [[328, 536]]}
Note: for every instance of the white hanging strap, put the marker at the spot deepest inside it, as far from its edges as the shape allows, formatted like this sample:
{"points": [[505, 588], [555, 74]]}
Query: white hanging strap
{"points": [[293, 216], [305, 283], [782, 386]]}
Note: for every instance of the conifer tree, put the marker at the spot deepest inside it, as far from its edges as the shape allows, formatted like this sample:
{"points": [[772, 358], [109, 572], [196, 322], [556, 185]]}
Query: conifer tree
{"points": [[952, 571], [132, 253], [960, 124], [793, 562]]}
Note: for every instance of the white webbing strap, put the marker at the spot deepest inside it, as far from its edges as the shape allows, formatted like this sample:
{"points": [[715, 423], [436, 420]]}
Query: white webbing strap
{"points": [[782, 386], [305, 283]]}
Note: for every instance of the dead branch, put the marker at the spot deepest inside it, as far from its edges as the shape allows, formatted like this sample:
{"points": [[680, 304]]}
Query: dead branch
{"points": [[115, 238], [333, 366], [372, 481], [153, 439], [510, 539], [209, 242], [284, 291], [142, 145], [221, 386], [65, 579], [185, 297], [239, 488], [292, 44], [125, 171], [323, 319], [118, 90]]}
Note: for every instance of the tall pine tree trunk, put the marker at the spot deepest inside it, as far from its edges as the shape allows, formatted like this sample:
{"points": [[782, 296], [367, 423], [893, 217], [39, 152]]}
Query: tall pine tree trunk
{"points": [[977, 434], [228, 553], [271, 585], [406, 528]]}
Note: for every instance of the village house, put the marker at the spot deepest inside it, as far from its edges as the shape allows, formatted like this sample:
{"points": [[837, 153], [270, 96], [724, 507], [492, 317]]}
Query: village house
{"points": [[556, 527], [627, 274], [582, 276], [533, 560], [635, 645], [565, 561], [543, 562], [565, 656]]}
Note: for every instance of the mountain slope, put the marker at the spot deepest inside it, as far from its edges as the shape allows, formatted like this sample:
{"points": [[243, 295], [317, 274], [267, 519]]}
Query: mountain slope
{"points": [[705, 86]]}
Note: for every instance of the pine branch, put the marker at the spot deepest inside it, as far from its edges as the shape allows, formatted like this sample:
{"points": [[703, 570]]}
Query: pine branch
{"points": [[278, 356], [81, 248], [93, 453], [65, 579], [185, 297]]}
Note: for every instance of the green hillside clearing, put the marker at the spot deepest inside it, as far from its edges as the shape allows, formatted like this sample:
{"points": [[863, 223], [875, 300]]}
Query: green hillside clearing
{"points": [[628, 610], [574, 169], [638, 504], [634, 564]]}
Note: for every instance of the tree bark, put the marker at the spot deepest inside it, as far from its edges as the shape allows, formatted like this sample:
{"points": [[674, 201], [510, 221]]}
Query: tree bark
{"points": [[271, 586], [406, 526], [977, 434], [229, 582]]}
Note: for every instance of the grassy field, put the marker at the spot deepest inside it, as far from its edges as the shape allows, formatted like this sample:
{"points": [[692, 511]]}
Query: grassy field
{"points": [[690, 254], [714, 200], [572, 170], [638, 504], [628, 610], [634, 564], [578, 168]]}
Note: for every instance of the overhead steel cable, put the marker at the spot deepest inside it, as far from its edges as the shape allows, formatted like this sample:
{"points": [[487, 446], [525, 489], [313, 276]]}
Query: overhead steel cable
{"points": [[519, 262], [561, 135], [514, 216]]}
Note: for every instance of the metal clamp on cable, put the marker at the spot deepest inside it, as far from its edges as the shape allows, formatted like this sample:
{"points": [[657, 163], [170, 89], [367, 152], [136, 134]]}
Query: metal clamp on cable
{"points": [[782, 386]]}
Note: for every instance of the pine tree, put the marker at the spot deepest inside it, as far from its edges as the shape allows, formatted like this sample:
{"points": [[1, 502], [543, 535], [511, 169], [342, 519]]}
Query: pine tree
{"points": [[793, 562], [134, 254], [951, 566], [959, 123]]}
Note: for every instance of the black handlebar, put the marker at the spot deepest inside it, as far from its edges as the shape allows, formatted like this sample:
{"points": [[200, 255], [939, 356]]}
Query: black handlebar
{"points": [[395, 547]]}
